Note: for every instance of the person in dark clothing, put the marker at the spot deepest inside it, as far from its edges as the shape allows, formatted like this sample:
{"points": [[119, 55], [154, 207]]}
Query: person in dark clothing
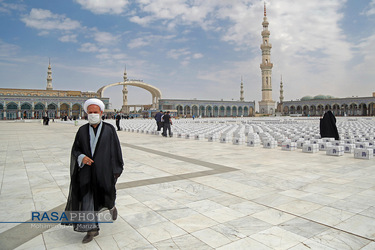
{"points": [[162, 121], [158, 119], [167, 124], [95, 165], [328, 126], [45, 120], [118, 118]]}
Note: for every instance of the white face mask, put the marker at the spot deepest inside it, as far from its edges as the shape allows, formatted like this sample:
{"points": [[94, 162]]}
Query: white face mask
{"points": [[94, 118]]}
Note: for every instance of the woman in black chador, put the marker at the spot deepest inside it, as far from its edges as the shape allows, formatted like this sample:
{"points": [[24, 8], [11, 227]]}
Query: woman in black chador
{"points": [[328, 126]]}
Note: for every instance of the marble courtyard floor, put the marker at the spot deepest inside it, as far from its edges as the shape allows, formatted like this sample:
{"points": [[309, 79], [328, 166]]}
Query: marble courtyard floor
{"points": [[187, 194]]}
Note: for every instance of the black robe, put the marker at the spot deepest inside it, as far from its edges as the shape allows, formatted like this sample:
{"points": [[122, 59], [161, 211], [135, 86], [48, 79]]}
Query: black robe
{"points": [[328, 126], [100, 176]]}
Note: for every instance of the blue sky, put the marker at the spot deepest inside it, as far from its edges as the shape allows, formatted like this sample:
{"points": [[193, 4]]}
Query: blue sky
{"points": [[189, 49]]}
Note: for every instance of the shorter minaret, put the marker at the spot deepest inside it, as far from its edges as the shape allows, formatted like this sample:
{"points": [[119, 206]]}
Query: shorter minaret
{"points": [[281, 90], [49, 76], [241, 92], [125, 107], [281, 103]]}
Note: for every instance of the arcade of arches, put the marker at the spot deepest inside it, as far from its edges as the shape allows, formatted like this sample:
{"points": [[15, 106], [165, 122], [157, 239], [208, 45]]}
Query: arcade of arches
{"points": [[350, 109], [12, 110], [214, 111]]}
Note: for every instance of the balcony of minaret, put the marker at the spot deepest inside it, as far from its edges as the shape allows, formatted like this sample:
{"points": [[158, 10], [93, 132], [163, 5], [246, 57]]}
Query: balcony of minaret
{"points": [[266, 33], [266, 65], [265, 46]]}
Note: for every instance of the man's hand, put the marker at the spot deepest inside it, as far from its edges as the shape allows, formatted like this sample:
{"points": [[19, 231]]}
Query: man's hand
{"points": [[87, 161]]}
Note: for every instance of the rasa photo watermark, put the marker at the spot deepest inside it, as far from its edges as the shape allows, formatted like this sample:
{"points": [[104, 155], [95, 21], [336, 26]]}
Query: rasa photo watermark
{"points": [[70, 217]]}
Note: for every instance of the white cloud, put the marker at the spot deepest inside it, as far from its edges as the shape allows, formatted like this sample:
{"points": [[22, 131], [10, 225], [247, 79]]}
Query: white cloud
{"points": [[7, 49], [88, 47], [185, 62], [183, 55], [371, 9], [143, 21], [146, 40], [175, 12], [366, 52], [112, 56], [139, 42], [9, 7], [92, 48], [104, 7], [105, 37], [43, 33], [197, 55], [45, 20], [68, 38], [177, 53]]}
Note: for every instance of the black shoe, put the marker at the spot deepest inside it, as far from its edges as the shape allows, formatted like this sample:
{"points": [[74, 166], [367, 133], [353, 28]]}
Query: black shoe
{"points": [[113, 213], [90, 235]]}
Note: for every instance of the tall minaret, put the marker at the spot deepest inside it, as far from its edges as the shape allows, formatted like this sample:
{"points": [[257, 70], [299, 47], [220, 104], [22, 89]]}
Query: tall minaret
{"points": [[49, 76], [125, 107], [241, 92], [266, 105], [281, 90]]}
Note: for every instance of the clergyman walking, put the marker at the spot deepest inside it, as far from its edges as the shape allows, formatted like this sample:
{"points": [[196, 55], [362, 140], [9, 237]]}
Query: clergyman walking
{"points": [[96, 163]]}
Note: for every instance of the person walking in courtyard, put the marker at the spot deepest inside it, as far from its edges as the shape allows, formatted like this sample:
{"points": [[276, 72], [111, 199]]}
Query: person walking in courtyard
{"points": [[118, 118], [328, 126], [167, 124], [45, 120], [158, 119], [96, 163]]}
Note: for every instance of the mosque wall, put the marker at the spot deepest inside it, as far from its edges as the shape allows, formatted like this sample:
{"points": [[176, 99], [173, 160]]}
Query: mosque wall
{"points": [[208, 108], [358, 106], [34, 104]]}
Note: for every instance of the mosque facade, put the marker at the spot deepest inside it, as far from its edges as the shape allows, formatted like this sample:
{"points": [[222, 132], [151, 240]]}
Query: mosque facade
{"points": [[36, 103]]}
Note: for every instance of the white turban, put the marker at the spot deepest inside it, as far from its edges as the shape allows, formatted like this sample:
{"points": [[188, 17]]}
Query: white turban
{"points": [[95, 102]]}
